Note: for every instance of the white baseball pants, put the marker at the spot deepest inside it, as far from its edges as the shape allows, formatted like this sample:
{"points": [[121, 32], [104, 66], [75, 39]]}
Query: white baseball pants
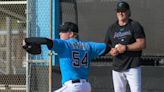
{"points": [[131, 76], [82, 86]]}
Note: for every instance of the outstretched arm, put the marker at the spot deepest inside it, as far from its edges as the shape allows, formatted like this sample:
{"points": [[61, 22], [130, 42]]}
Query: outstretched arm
{"points": [[33, 44]]}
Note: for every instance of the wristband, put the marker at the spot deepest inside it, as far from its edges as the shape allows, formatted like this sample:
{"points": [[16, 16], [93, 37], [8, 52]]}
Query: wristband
{"points": [[126, 48]]}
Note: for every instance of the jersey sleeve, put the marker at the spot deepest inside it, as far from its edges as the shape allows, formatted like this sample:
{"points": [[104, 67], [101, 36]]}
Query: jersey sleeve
{"points": [[58, 45], [138, 31], [97, 49]]}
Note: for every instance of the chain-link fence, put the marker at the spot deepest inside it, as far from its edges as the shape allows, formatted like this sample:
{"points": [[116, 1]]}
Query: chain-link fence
{"points": [[93, 18], [38, 76], [12, 56], [38, 25]]}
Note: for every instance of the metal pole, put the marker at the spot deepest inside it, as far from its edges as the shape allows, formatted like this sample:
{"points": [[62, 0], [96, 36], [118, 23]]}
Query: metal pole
{"points": [[50, 53], [27, 62], [12, 2], [8, 51]]}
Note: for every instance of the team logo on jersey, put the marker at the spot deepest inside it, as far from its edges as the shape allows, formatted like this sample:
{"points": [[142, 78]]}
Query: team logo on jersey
{"points": [[122, 29], [121, 34]]}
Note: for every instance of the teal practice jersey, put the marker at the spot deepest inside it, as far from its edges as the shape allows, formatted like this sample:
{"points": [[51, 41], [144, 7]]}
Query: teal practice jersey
{"points": [[75, 57]]}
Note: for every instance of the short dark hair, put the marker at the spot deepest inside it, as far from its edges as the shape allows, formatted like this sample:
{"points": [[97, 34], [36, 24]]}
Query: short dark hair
{"points": [[68, 27]]}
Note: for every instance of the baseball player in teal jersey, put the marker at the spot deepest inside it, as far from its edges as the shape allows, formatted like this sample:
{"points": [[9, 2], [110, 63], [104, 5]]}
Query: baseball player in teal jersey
{"points": [[74, 56]]}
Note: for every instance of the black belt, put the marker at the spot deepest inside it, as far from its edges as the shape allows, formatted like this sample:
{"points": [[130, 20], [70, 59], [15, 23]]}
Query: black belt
{"points": [[78, 81], [75, 81]]}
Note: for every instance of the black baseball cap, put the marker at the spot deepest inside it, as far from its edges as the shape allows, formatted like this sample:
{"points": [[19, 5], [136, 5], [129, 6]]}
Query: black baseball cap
{"points": [[68, 27], [122, 6]]}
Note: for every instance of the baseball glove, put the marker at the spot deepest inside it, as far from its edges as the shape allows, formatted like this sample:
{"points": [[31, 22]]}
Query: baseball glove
{"points": [[33, 44], [31, 47]]}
